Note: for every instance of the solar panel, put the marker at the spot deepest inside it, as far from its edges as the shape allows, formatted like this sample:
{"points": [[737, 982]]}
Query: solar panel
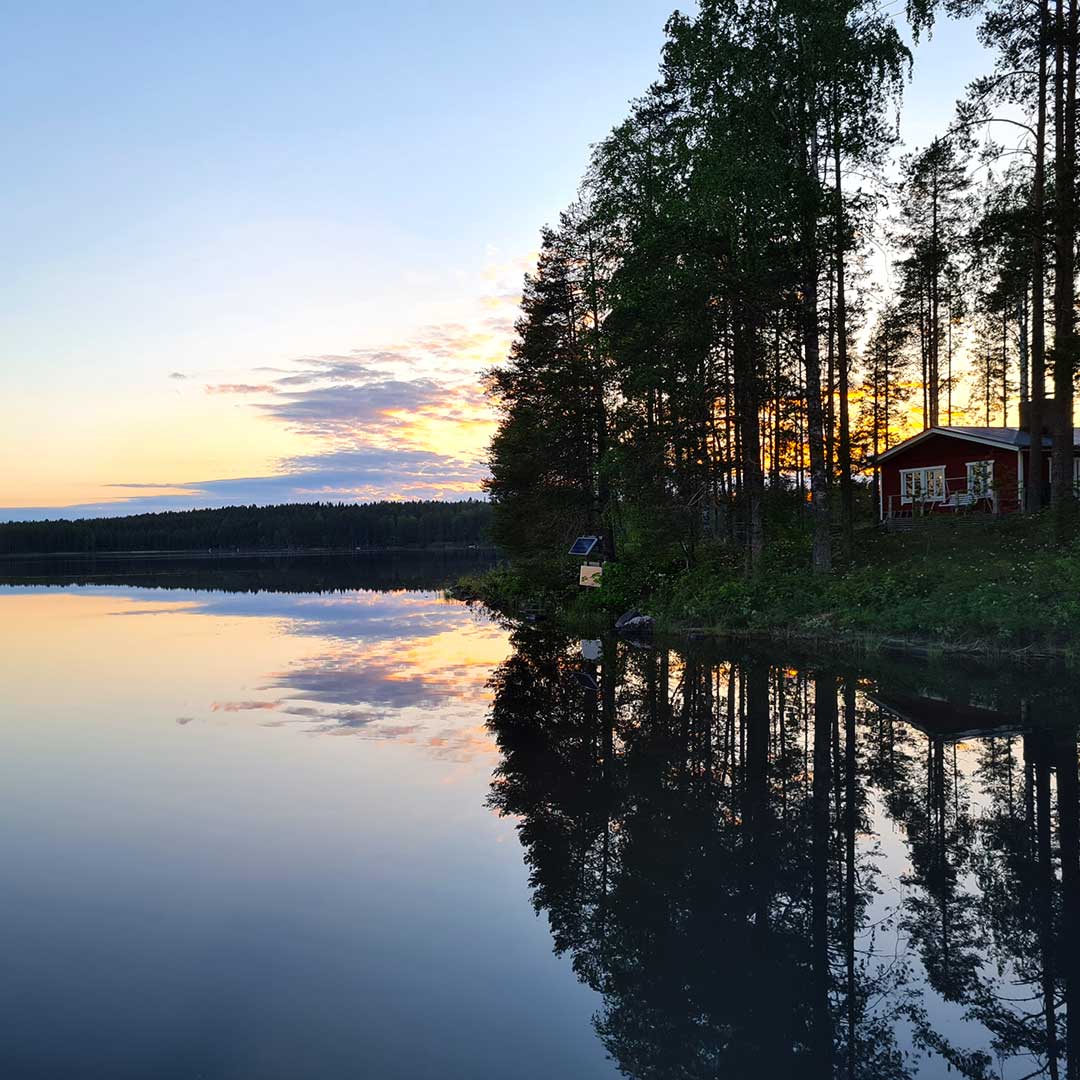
{"points": [[583, 545]]}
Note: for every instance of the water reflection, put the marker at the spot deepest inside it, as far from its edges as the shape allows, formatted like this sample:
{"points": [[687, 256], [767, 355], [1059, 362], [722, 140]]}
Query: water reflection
{"points": [[771, 870], [244, 835], [756, 868], [298, 573], [369, 662]]}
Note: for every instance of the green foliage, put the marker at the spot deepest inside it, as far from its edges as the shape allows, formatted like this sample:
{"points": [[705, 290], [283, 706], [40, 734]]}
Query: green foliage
{"points": [[499, 586], [1007, 585], [1001, 586], [546, 485]]}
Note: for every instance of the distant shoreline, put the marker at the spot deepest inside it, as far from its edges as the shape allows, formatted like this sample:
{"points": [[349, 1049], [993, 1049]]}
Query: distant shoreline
{"points": [[246, 553]]}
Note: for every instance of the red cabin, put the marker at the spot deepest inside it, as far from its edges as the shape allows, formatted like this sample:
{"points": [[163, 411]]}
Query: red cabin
{"points": [[950, 469]]}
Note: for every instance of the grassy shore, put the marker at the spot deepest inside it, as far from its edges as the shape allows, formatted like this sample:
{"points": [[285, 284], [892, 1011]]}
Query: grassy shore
{"points": [[1002, 588]]}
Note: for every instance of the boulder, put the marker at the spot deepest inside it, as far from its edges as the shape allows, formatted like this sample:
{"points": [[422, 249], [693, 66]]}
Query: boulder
{"points": [[633, 622]]}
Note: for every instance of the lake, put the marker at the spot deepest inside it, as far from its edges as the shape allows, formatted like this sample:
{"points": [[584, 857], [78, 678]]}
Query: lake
{"points": [[307, 818]]}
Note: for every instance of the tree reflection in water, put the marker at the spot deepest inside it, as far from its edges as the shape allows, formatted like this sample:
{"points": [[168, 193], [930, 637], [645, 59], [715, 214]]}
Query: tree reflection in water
{"points": [[772, 870]]}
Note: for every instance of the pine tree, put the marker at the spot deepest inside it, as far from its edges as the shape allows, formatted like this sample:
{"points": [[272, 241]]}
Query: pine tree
{"points": [[933, 210]]}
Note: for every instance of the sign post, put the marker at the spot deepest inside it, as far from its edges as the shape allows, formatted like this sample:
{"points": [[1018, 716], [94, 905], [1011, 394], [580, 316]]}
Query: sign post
{"points": [[589, 575]]}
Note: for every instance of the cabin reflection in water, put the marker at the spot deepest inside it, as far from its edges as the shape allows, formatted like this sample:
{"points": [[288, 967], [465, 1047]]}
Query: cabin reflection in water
{"points": [[773, 870]]}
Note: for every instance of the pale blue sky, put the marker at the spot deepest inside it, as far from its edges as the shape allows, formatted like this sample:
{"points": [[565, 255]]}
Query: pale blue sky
{"points": [[210, 189]]}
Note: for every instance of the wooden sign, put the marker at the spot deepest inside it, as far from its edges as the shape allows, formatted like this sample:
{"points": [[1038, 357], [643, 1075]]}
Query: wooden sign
{"points": [[590, 576]]}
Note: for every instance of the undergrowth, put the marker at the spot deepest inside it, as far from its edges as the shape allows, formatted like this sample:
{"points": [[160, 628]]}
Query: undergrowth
{"points": [[1004, 585]]}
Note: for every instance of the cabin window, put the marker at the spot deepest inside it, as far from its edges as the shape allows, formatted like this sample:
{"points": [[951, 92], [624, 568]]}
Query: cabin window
{"points": [[923, 485], [1076, 476], [980, 479]]}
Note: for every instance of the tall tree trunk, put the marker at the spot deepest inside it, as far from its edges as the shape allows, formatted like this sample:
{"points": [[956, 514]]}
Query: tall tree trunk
{"points": [[819, 479], [603, 488], [1033, 488], [1023, 332], [875, 434], [847, 502], [777, 418], [924, 358], [747, 405], [830, 382], [934, 300], [1004, 366], [1064, 259], [949, 382], [886, 394]]}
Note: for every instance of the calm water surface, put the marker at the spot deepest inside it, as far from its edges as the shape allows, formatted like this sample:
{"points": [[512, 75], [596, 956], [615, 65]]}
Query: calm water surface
{"points": [[301, 820]]}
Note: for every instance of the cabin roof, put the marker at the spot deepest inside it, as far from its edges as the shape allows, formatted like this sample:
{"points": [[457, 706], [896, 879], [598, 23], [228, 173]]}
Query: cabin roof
{"points": [[1010, 438]]}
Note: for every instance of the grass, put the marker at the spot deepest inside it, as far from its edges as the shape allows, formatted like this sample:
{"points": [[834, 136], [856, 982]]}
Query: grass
{"points": [[1004, 587]]}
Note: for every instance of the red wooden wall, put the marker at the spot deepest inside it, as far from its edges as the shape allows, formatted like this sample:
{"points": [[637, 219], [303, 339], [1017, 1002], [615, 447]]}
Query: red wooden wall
{"points": [[954, 454]]}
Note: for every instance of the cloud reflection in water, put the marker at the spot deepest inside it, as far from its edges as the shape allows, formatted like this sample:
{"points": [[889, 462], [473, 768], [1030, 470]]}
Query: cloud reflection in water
{"points": [[402, 666], [405, 666]]}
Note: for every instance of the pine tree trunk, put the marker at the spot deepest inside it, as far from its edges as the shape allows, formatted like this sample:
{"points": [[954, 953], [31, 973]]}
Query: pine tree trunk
{"points": [[847, 502], [1004, 367], [875, 430], [747, 406], [933, 313], [778, 417], [1064, 261], [821, 559], [603, 488], [924, 357], [819, 483], [1033, 489]]}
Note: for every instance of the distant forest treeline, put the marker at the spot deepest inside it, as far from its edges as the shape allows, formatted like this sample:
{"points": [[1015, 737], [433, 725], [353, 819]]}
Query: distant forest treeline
{"points": [[251, 528]]}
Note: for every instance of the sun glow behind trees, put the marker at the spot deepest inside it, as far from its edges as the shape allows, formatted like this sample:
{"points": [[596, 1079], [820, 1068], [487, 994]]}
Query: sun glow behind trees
{"points": [[703, 337]]}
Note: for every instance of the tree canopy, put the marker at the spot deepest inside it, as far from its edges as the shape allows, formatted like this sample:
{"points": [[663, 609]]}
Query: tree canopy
{"points": [[706, 354]]}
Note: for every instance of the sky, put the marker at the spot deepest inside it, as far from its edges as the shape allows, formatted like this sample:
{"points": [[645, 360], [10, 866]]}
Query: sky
{"points": [[258, 253]]}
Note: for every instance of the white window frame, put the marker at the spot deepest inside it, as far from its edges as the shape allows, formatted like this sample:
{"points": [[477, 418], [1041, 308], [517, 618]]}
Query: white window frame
{"points": [[922, 485], [980, 485]]}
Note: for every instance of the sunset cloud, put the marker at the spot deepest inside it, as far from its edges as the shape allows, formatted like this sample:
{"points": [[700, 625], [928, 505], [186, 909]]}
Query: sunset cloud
{"points": [[241, 388], [383, 397], [405, 420], [354, 408], [359, 475], [243, 706]]}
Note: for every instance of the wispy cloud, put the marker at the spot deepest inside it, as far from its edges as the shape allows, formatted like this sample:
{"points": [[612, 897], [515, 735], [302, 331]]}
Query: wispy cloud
{"points": [[360, 410], [240, 388], [243, 706], [403, 421]]}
